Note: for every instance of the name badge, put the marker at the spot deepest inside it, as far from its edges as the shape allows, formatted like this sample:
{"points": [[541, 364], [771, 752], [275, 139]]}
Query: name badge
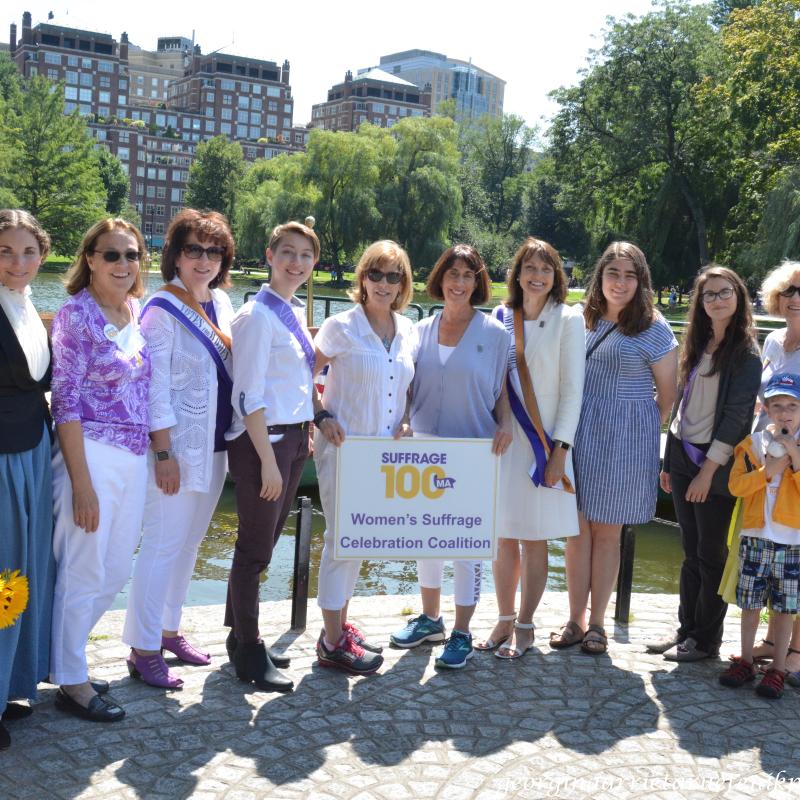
{"points": [[111, 332]]}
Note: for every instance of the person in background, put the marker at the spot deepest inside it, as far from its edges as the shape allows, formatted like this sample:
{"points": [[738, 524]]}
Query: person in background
{"points": [[187, 327], [370, 353], [26, 485], [719, 375], [537, 498], [101, 381], [458, 391], [629, 347]]}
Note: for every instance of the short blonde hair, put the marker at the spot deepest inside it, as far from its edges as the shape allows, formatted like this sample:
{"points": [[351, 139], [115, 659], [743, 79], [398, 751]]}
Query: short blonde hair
{"points": [[776, 282], [382, 254], [79, 275], [279, 231]]}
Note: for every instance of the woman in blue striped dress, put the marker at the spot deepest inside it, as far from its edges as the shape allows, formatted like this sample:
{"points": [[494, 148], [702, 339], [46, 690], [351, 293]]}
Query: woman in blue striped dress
{"points": [[629, 347]]}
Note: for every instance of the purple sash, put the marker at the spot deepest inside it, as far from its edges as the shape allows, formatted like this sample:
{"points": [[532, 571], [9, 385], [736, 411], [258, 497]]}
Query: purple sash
{"points": [[201, 331], [285, 314], [695, 454], [536, 470]]}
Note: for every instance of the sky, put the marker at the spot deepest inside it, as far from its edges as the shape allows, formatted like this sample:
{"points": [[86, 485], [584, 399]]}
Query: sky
{"points": [[534, 45]]}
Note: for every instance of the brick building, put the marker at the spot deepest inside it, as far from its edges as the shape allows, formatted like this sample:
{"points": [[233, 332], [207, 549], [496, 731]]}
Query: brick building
{"points": [[152, 108], [372, 96]]}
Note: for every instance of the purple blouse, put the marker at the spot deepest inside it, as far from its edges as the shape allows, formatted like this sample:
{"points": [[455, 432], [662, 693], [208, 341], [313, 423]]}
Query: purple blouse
{"points": [[94, 382]]}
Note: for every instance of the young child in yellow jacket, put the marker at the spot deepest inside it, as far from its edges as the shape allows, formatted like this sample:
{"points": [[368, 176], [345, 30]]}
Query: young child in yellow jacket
{"points": [[766, 475]]}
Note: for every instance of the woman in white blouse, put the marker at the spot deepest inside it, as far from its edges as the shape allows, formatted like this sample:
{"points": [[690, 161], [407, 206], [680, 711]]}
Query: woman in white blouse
{"points": [[369, 350], [187, 325]]}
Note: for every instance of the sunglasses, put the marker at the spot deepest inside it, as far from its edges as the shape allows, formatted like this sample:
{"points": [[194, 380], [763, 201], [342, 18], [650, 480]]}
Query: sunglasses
{"points": [[790, 291], [376, 276], [196, 251], [112, 256]]}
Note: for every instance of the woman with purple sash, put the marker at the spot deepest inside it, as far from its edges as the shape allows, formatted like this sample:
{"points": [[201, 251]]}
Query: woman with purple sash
{"points": [[720, 372], [537, 498], [187, 326]]}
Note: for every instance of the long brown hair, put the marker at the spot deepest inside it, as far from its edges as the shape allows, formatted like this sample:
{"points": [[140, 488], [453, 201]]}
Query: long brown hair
{"points": [[639, 314], [740, 337], [536, 248]]}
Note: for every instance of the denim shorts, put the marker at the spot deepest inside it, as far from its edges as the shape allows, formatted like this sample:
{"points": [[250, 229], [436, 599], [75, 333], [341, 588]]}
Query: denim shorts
{"points": [[768, 573]]}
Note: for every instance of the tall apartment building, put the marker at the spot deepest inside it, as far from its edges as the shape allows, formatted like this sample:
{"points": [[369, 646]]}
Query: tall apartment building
{"points": [[476, 91], [373, 96], [152, 109]]}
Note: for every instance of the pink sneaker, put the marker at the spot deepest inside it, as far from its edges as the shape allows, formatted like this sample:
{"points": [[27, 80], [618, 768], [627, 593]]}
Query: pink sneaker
{"points": [[188, 653], [358, 637], [152, 670]]}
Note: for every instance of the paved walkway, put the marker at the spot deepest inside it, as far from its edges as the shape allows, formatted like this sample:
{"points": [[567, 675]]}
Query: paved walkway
{"points": [[551, 725]]}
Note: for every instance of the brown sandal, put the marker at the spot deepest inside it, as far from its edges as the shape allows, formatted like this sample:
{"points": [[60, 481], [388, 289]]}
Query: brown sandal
{"points": [[595, 642], [569, 635]]}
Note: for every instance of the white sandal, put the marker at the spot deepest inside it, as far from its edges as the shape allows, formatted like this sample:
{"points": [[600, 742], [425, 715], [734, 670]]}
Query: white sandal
{"points": [[491, 644], [513, 652]]}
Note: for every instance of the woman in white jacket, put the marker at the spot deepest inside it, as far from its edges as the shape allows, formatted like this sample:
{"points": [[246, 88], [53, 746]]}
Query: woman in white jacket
{"points": [[187, 324], [537, 499]]}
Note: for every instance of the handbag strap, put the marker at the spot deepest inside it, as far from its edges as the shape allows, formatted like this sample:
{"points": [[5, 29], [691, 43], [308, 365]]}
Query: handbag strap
{"points": [[188, 299], [528, 395], [599, 341]]}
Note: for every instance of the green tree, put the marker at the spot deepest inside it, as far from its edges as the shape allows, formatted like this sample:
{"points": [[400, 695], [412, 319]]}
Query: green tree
{"points": [[55, 174], [214, 176], [628, 143], [115, 180], [10, 79]]}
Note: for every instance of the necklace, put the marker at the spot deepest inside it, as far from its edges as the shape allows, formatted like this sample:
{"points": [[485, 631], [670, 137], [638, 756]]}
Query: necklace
{"points": [[386, 336]]}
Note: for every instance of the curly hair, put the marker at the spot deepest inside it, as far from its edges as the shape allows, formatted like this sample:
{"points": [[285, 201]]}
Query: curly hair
{"points": [[639, 314], [740, 336], [777, 281]]}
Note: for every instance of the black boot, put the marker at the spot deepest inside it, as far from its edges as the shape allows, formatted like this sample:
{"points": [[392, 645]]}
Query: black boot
{"points": [[5, 738], [280, 660], [253, 665]]}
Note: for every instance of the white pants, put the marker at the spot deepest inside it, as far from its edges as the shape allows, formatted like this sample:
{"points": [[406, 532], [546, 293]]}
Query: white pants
{"points": [[174, 526], [92, 567], [466, 577]]}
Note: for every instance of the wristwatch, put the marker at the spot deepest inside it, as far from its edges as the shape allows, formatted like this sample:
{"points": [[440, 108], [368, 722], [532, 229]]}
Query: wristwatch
{"points": [[562, 445], [163, 455]]}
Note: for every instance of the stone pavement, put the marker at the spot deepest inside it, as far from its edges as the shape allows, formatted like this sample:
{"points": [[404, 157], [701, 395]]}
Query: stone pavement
{"points": [[554, 724]]}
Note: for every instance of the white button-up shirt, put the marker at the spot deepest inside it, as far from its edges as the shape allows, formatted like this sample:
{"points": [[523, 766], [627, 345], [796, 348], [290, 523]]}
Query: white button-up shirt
{"points": [[366, 387], [270, 370]]}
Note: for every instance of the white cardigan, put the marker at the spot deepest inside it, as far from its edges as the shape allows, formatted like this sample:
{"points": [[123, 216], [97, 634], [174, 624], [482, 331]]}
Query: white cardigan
{"points": [[183, 389]]}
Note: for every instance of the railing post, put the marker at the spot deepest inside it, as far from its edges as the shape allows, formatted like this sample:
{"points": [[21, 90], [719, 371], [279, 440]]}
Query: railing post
{"points": [[627, 545], [302, 556]]}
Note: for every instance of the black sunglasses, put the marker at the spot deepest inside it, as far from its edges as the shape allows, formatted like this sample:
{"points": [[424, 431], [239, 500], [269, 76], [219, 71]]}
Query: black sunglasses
{"points": [[790, 291], [195, 252], [112, 256], [376, 276]]}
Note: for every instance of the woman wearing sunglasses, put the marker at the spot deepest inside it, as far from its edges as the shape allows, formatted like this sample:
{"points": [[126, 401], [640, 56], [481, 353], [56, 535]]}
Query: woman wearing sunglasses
{"points": [[369, 350], [457, 391], [101, 380], [781, 353], [187, 326]]}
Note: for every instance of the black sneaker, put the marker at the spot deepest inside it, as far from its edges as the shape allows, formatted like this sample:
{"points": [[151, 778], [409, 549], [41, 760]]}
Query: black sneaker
{"points": [[348, 656]]}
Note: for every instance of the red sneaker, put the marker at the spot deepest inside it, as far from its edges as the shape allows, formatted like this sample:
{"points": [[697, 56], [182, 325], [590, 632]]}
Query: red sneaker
{"points": [[771, 685]]}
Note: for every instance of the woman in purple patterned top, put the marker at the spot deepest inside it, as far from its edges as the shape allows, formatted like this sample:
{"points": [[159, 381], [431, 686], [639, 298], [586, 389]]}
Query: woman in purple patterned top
{"points": [[101, 381]]}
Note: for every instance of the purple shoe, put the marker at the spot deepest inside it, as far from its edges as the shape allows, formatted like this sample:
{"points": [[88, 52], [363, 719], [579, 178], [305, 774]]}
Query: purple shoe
{"points": [[189, 654], [152, 670]]}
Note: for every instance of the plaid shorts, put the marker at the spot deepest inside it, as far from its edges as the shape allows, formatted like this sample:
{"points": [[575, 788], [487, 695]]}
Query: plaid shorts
{"points": [[768, 572]]}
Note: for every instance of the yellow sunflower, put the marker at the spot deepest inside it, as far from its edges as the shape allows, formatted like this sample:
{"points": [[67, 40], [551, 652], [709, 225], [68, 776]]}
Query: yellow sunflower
{"points": [[13, 597]]}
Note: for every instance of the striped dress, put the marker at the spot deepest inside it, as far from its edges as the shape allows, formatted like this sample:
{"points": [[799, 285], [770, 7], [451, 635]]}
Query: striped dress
{"points": [[616, 445]]}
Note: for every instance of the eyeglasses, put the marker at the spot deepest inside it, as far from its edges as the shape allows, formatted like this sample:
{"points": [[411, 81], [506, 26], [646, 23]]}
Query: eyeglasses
{"points": [[376, 276], [722, 294], [790, 291], [112, 256], [196, 251]]}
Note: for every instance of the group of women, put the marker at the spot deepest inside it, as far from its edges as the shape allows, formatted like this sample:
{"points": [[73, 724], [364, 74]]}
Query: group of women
{"points": [[147, 402]]}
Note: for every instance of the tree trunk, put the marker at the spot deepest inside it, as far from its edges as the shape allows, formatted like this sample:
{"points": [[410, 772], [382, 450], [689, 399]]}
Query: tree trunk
{"points": [[698, 216]]}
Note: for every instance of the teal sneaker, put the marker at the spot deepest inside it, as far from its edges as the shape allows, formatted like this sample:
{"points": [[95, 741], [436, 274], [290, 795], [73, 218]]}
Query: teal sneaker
{"points": [[418, 630], [456, 651]]}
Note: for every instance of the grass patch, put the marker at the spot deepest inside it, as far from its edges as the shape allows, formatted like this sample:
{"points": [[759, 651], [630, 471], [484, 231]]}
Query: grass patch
{"points": [[406, 611], [98, 637]]}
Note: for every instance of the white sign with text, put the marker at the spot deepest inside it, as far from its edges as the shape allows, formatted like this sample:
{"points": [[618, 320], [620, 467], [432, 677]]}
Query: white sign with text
{"points": [[416, 498]]}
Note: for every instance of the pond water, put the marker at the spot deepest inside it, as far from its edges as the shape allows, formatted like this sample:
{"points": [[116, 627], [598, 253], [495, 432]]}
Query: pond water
{"points": [[658, 548]]}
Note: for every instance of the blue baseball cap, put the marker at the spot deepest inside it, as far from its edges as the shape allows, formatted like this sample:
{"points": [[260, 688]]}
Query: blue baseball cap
{"points": [[783, 383]]}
